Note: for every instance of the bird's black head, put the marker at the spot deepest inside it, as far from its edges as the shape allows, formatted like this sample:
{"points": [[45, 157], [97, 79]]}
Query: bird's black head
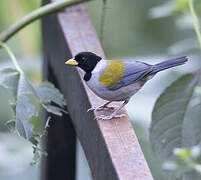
{"points": [[86, 61]]}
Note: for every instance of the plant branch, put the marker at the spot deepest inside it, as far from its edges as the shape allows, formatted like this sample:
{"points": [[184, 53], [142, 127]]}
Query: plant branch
{"points": [[103, 19], [34, 15], [12, 56], [196, 21]]}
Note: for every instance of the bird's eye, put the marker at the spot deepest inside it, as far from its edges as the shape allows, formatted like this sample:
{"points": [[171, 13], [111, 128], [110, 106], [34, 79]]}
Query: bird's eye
{"points": [[83, 58]]}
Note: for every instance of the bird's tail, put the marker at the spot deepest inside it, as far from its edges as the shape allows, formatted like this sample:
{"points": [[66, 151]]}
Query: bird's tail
{"points": [[169, 64]]}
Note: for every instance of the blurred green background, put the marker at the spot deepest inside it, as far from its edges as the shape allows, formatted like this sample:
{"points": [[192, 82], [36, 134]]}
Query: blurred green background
{"points": [[131, 31]]}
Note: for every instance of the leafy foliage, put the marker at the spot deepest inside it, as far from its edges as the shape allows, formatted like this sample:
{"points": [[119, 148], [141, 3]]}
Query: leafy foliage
{"points": [[9, 80], [173, 127], [183, 20], [26, 101], [186, 163], [192, 126], [47, 94], [168, 117]]}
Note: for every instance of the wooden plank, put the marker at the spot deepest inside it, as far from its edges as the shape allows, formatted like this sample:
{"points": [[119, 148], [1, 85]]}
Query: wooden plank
{"points": [[111, 147], [60, 142]]}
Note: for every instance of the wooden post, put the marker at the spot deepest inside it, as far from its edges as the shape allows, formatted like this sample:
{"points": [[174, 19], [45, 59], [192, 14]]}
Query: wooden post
{"points": [[60, 142], [111, 147]]}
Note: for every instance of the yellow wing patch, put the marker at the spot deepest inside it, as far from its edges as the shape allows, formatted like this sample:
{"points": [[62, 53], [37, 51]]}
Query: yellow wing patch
{"points": [[113, 73]]}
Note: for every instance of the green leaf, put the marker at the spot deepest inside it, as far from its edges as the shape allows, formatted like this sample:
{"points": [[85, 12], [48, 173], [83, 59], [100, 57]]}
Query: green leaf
{"points": [[35, 121], [192, 126], [26, 103], [48, 93], [5, 108], [182, 153], [181, 5], [53, 109], [23, 92], [27, 110], [9, 80], [168, 117]]}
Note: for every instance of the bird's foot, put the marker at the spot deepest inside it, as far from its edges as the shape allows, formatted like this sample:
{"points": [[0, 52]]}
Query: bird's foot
{"points": [[103, 117], [100, 108]]}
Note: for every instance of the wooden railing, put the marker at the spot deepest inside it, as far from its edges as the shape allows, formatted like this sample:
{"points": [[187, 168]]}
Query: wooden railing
{"points": [[111, 147]]}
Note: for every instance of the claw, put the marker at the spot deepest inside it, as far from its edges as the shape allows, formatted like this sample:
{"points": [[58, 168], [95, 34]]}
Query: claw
{"points": [[100, 108], [106, 107], [105, 117], [119, 116], [90, 109], [113, 115]]}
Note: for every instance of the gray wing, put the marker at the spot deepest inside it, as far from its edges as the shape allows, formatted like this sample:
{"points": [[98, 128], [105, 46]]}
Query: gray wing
{"points": [[134, 71]]}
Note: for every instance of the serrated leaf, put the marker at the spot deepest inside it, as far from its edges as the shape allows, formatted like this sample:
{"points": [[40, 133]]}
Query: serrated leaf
{"points": [[27, 101], [48, 93], [53, 109], [168, 117]]}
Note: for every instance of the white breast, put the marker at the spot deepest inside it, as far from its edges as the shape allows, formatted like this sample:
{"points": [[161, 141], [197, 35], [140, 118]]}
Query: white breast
{"points": [[94, 84]]}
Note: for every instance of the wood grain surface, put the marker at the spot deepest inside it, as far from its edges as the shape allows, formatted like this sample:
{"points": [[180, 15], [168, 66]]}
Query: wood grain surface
{"points": [[111, 147]]}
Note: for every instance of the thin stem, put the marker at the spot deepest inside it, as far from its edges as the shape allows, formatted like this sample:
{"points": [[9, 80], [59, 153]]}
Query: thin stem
{"points": [[103, 19], [12, 56], [38, 13], [196, 21]]}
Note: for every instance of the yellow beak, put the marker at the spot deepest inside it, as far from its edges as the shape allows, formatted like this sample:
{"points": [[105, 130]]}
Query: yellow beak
{"points": [[72, 62]]}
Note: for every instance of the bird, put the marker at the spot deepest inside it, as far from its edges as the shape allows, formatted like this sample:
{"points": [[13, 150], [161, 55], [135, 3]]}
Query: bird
{"points": [[114, 80]]}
